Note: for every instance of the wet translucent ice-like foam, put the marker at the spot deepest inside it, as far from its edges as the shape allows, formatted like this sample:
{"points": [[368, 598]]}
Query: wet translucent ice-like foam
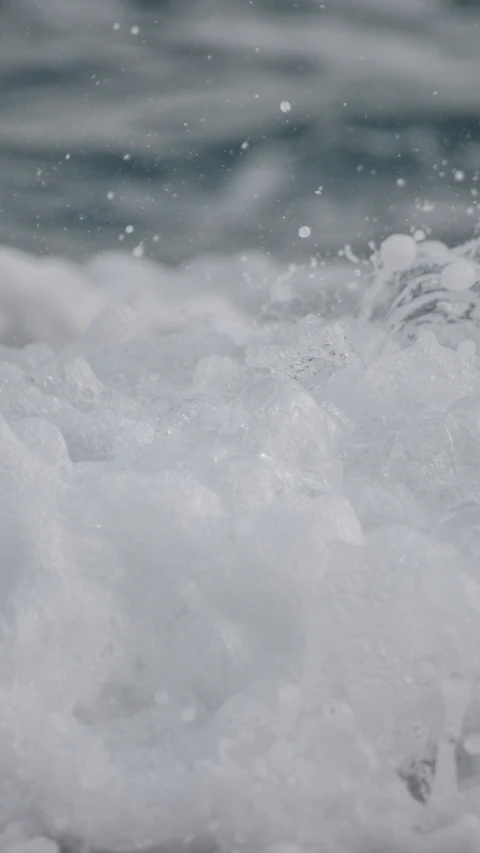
{"points": [[240, 541]]}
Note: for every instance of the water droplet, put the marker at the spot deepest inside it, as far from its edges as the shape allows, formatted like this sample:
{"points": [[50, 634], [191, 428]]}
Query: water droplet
{"points": [[304, 231], [285, 106]]}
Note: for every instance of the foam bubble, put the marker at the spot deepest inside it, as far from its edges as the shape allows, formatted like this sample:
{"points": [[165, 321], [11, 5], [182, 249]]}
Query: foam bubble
{"points": [[304, 231], [459, 275], [398, 252]]}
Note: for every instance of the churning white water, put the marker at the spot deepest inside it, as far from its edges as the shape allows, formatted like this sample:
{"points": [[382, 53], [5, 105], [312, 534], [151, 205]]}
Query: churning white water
{"points": [[240, 542]]}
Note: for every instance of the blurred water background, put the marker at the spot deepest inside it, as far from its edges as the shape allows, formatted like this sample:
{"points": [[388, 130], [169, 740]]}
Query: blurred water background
{"points": [[165, 116]]}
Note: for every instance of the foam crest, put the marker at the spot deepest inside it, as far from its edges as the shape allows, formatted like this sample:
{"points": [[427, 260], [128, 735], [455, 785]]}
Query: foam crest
{"points": [[239, 539]]}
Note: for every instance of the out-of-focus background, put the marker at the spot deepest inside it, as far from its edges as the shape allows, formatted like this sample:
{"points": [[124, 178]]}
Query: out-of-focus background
{"points": [[165, 117]]}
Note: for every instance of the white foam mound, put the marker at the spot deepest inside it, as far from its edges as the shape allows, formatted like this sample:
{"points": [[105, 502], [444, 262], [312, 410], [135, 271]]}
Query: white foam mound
{"points": [[239, 542]]}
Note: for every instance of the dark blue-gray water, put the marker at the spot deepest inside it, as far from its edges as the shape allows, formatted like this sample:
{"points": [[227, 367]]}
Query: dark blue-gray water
{"points": [[165, 115]]}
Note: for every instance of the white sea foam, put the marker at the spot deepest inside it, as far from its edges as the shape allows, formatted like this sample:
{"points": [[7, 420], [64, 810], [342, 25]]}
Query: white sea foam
{"points": [[240, 540]]}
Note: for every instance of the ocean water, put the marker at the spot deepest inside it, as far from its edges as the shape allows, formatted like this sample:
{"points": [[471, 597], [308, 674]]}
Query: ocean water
{"points": [[174, 108], [239, 427]]}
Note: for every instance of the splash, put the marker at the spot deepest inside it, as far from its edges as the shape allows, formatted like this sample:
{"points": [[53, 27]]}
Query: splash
{"points": [[240, 540]]}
